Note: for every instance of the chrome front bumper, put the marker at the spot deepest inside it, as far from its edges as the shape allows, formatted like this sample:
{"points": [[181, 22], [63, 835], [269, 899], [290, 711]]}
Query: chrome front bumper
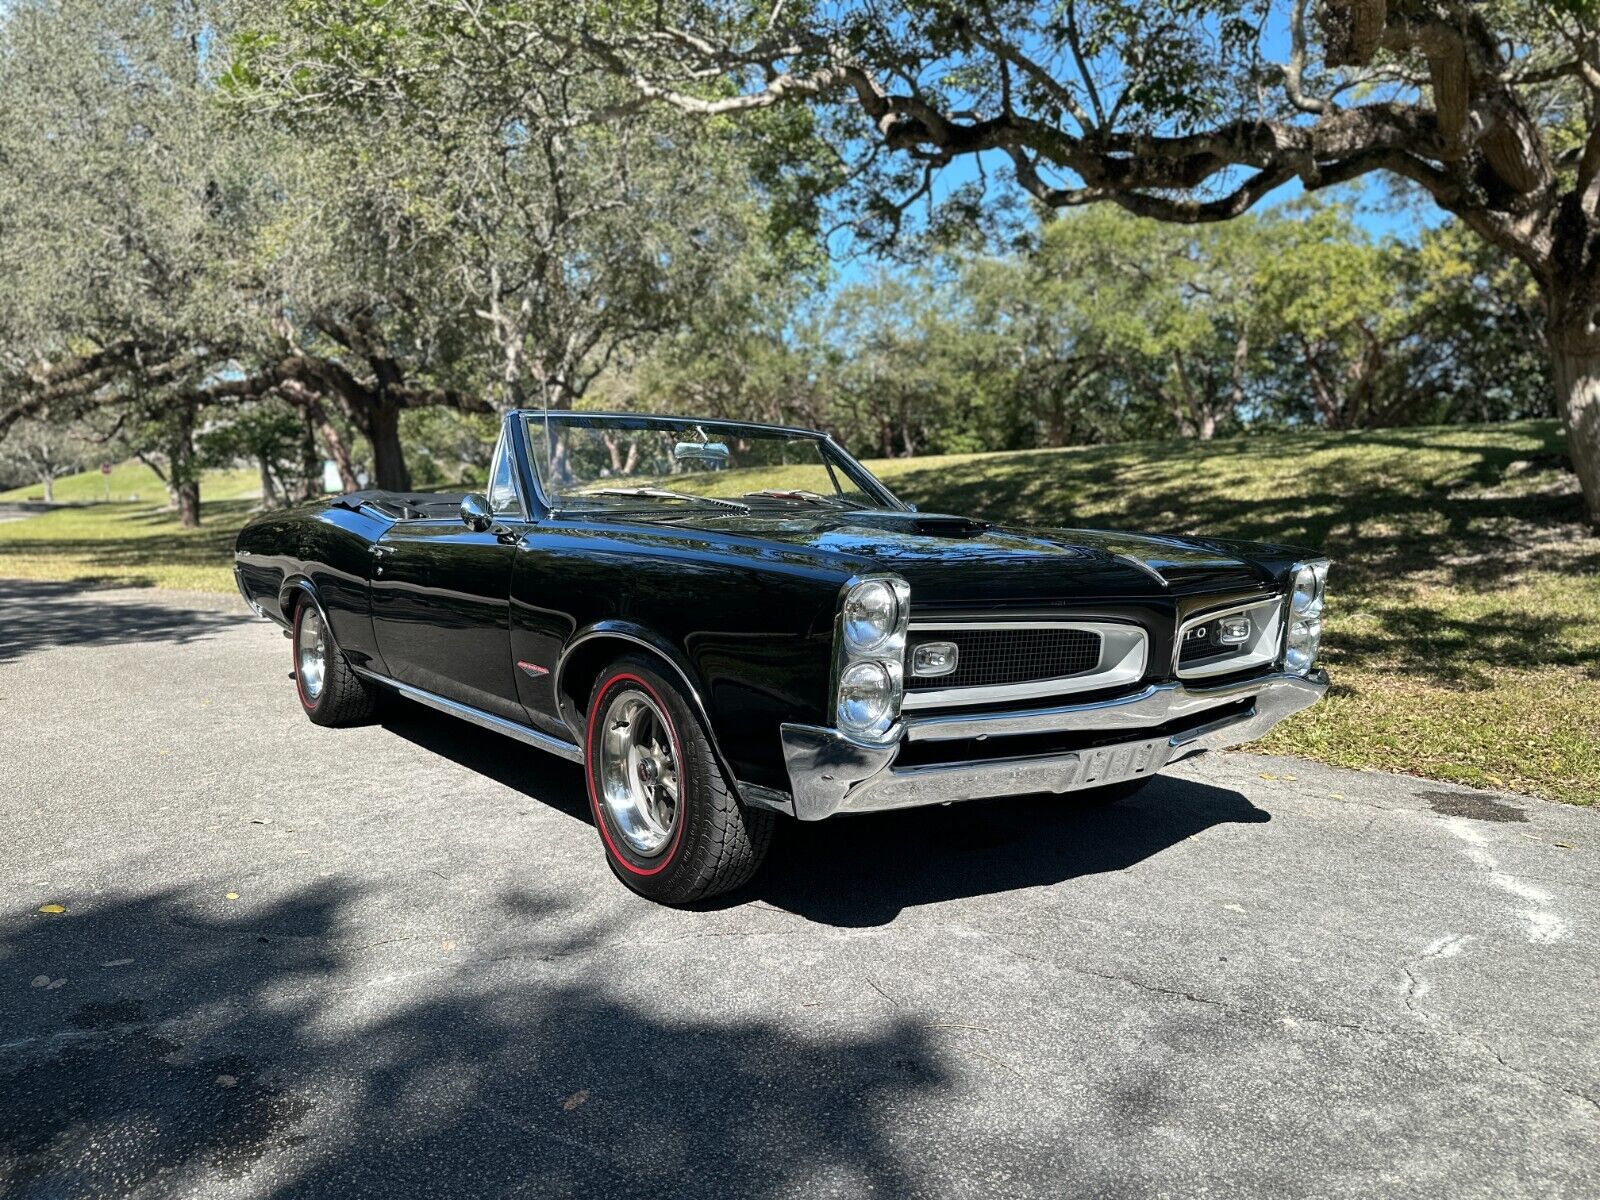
{"points": [[829, 773]]}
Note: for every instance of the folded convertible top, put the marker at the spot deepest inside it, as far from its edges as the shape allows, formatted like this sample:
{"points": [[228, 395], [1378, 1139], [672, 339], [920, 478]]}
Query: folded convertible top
{"points": [[403, 506]]}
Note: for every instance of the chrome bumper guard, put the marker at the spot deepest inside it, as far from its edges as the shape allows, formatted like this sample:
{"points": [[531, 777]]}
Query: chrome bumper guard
{"points": [[829, 773]]}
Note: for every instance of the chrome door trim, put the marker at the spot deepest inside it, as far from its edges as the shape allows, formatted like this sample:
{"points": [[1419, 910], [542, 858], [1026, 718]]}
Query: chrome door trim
{"points": [[1129, 666], [454, 708]]}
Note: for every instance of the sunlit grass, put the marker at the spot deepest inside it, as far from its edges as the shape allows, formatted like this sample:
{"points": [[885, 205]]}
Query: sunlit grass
{"points": [[1464, 624], [132, 482], [137, 543]]}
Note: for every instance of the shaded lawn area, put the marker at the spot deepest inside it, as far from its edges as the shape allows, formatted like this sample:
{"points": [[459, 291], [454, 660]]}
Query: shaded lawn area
{"points": [[1463, 629], [130, 545]]}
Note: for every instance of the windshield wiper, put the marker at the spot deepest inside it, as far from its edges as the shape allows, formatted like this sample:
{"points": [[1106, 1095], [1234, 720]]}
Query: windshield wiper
{"points": [[668, 494], [802, 494]]}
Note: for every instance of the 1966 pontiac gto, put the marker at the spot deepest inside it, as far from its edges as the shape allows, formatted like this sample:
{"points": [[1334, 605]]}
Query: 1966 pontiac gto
{"points": [[726, 622]]}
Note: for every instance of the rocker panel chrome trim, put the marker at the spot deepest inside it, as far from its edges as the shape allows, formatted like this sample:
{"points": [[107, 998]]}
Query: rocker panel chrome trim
{"points": [[523, 733]]}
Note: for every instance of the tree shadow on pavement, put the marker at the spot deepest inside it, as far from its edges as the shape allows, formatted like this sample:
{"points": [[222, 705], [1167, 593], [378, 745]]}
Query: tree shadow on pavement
{"points": [[44, 616], [857, 871], [540, 776], [862, 871], [189, 1042]]}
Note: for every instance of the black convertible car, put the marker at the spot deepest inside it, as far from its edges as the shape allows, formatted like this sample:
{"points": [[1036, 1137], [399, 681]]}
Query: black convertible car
{"points": [[726, 622]]}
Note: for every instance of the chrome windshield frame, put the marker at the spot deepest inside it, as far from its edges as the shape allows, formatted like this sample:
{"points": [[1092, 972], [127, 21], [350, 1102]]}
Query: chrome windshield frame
{"points": [[531, 421]]}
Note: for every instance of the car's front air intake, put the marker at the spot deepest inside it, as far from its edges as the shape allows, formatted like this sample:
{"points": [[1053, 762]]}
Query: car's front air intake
{"points": [[988, 657], [953, 663]]}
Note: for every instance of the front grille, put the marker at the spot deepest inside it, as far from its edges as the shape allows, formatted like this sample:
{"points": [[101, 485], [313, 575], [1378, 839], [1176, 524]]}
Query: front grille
{"points": [[1201, 645], [994, 657], [1202, 653]]}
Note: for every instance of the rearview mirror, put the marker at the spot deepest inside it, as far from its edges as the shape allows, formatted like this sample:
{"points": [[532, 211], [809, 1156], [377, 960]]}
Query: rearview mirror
{"points": [[475, 512], [712, 452]]}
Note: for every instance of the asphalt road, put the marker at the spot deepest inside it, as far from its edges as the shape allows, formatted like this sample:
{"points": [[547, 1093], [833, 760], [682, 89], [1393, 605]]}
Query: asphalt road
{"points": [[390, 961]]}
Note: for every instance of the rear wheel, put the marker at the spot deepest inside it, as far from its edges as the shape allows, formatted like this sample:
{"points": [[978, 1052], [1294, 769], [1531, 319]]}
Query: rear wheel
{"points": [[672, 828], [330, 692]]}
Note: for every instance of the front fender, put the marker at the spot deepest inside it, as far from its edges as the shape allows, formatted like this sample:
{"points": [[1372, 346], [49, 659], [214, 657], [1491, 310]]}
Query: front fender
{"points": [[591, 647]]}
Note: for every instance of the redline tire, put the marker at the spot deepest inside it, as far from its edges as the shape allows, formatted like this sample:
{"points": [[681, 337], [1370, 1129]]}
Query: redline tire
{"points": [[715, 844], [341, 697]]}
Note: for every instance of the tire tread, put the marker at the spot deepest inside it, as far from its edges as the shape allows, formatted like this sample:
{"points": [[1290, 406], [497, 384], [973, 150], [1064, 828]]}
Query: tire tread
{"points": [[347, 699], [731, 843]]}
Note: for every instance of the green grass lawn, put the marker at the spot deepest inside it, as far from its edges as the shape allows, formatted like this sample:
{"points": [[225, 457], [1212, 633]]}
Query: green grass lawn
{"points": [[134, 540], [1463, 629], [133, 482]]}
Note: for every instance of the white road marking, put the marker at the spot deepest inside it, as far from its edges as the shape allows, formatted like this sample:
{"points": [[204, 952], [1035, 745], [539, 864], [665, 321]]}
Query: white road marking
{"points": [[1544, 926]]}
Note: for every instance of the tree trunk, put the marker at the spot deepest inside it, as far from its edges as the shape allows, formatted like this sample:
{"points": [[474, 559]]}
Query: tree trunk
{"points": [[310, 403], [49, 488], [269, 489], [1577, 379], [188, 491], [1055, 434], [388, 456]]}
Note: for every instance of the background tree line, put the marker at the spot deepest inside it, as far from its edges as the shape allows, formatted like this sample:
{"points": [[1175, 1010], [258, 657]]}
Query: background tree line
{"points": [[237, 231], [1099, 326]]}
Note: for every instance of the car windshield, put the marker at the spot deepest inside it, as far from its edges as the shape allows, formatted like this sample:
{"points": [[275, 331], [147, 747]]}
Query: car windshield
{"points": [[598, 462]]}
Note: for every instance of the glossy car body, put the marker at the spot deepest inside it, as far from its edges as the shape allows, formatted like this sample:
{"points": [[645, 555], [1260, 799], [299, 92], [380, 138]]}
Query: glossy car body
{"points": [[509, 626]]}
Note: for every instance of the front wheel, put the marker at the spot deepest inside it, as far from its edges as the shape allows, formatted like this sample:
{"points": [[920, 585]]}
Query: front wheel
{"points": [[672, 828]]}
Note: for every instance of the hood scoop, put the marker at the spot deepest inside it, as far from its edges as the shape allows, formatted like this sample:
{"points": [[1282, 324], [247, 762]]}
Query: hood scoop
{"points": [[941, 525]]}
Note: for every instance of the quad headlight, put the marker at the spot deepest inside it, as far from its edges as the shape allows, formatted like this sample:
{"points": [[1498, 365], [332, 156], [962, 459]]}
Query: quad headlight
{"points": [[869, 667], [871, 613], [1304, 635]]}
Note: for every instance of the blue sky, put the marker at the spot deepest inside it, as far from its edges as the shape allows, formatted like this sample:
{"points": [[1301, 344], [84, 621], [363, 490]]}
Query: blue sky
{"points": [[1373, 205], [1373, 201]]}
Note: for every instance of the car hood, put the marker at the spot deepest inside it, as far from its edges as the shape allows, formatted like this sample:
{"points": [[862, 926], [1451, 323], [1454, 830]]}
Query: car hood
{"points": [[950, 559]]}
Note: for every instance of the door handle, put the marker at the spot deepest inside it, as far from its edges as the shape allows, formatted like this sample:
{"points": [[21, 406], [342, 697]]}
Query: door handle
{"points": [[378, 551]]}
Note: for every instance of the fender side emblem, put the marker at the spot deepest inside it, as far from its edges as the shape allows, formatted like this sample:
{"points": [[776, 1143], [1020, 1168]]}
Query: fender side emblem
{"points": [[534, 669]]}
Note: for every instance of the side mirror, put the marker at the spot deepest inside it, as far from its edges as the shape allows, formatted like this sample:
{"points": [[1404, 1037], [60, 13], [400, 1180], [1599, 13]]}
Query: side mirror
{"points": [[475, 513]]}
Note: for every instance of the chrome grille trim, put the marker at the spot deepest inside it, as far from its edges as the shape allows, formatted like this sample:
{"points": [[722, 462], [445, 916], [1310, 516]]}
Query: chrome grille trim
{"points": [[1124, 655], [1267, 617]]}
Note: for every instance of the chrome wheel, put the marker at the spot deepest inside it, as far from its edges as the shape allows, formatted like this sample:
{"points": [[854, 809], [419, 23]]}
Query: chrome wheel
{"points": [[311, 652], [639, 772]]}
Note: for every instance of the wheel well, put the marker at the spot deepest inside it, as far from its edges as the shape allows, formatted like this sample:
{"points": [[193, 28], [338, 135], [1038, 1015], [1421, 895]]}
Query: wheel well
{"points": [[582, 667], [295, 593]]}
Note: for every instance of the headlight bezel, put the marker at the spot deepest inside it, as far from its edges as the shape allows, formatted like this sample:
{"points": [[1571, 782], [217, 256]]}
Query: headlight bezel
{"points": [[885, 653], [1305, 605]]}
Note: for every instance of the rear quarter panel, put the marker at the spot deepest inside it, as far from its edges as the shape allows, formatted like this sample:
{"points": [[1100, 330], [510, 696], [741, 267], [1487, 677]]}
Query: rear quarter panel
{"points": [[330, 548]]}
